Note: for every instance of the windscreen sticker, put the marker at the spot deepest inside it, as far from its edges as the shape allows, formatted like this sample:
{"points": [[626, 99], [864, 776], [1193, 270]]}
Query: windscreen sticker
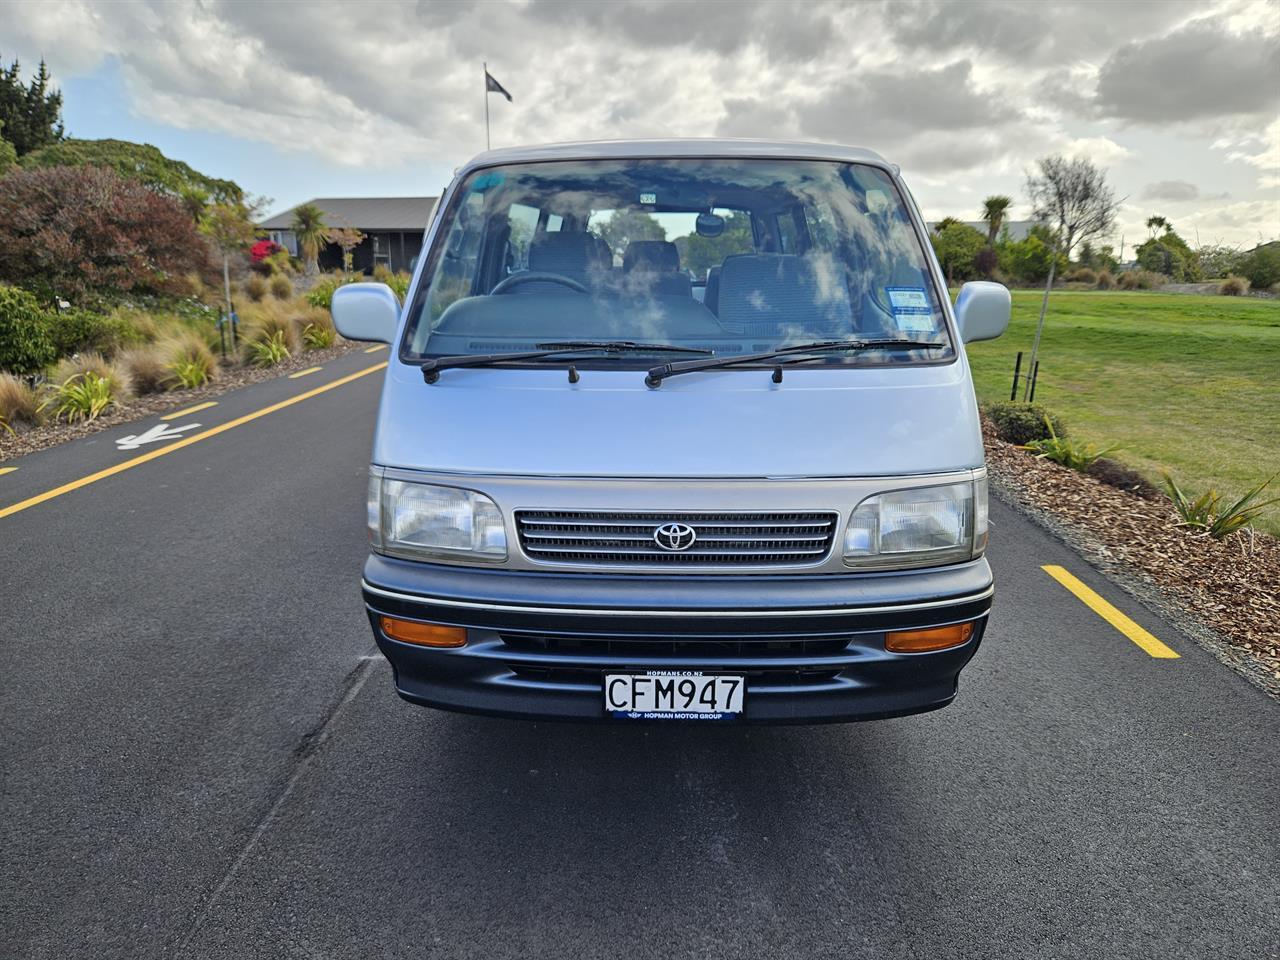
{"points": [[911, 309], [487, 180]]}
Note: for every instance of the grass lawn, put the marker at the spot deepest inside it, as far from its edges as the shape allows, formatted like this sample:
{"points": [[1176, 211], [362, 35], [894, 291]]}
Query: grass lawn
{"points": [[1187, 384]]}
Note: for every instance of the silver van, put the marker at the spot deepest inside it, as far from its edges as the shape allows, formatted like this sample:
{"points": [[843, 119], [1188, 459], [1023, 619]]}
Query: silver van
{"points": [[677, 430]]}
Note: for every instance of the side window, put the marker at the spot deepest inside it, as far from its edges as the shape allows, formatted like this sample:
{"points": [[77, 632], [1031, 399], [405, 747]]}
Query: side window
{"points": [[462, 249], [523, 221]]}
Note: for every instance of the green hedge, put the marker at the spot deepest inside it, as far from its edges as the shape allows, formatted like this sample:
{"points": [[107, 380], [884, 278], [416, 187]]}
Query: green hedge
{"points": [[26, 338]]}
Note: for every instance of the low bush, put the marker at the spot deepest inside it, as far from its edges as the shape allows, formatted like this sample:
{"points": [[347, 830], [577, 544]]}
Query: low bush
{"points": [[1234, 287], [80, 331], [1106, 280], [1117, 475], [26, 338], [1021, 423], [1075, 454], [1082, 275], [146, 367], [281, 287], [319, 334], [1141, 280], [116, 377], [189, 362], [82, 397], [1211, 515], [271, 317], [268, 350], [1261, 267], [17, 401], [321, 295], [255, 288]]}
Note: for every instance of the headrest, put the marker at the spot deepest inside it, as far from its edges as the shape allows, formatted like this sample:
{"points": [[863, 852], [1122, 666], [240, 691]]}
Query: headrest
{"points": [[659, 256], [568, 252]]}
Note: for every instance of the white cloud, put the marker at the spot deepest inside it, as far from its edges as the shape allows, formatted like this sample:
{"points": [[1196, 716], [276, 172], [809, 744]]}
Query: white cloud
{"points": [[964, 96]]}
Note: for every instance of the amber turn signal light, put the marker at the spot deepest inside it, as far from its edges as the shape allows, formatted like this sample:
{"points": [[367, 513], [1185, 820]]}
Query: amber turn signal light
{"points": [[423, 634], [922, 641]]}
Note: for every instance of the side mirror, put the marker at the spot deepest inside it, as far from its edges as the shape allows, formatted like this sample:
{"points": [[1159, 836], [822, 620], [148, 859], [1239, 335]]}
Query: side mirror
{"points": [[366, 311], [982, 310]]}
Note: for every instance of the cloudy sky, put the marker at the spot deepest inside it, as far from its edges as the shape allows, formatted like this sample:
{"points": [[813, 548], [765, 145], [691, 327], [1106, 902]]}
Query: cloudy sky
{"points": [[1179, 101]]}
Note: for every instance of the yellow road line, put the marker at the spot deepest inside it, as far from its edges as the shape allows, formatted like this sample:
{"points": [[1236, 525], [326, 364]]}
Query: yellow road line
{"points": [[182, 413], [184, 442], [375, 348], [4, 470], [1110, 614], [303, 373]]}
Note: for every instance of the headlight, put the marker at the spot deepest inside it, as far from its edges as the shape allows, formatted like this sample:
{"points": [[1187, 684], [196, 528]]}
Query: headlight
{"points": [[923, 526], [423, 521]]}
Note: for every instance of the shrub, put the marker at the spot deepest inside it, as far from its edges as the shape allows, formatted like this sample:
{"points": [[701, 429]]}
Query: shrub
{"points": [[268, 350], [1074, 454], [1117, 475], [146, 368], [319, 335], [382, 274], [1262, 266], [84, 231], [1142, 280], [321, 295], [17, 401], [281, 287], [26, 341], [263, 249], [399, 284], [81, 388], [190, 362], [114, 374], [957, 246], [1082, 275], [78, 331], [267, 319], [255, 288], [1021, 423], [1234, 287], [262, 268], [1105, 280], [280, 262], [1208, 513]]}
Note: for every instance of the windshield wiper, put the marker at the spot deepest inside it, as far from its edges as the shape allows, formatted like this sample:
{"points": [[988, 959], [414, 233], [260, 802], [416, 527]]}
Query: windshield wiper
{"points": [[660, 373], [431, 368]]}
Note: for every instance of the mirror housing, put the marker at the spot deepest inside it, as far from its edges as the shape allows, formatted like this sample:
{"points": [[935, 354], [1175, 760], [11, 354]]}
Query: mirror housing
{"points": [[366, 311], [982, 310]]}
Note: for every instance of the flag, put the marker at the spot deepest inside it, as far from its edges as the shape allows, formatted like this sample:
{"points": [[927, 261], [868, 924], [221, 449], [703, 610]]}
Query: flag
{"points": [[493, 86]]}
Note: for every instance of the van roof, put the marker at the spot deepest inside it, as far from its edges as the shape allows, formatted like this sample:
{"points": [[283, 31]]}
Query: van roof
{"points": [[689, 147]]}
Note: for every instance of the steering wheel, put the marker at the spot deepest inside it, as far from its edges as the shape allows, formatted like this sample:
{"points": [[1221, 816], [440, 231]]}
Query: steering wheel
{"points": [[516, 279]]}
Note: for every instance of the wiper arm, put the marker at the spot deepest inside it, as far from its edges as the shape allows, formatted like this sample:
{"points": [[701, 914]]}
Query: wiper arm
{"points": [[431, 368], [661, 372]]}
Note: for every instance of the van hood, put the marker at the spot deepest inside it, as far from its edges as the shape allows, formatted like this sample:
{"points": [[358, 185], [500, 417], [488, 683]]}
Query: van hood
{"points": [[819, 422]]}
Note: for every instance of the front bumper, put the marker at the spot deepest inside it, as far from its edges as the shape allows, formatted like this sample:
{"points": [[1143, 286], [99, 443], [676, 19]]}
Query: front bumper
{"points": [[811, 647]]}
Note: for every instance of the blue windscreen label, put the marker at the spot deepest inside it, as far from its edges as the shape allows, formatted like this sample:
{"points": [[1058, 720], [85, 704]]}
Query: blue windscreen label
{"points": [[908, 299]]}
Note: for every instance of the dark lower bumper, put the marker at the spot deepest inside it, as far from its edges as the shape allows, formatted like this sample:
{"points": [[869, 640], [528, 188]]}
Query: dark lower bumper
{"points": [[812, 648]]}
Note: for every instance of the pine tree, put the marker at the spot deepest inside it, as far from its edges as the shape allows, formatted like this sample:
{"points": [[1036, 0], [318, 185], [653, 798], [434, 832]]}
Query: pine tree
{"points": [[31, 115]]}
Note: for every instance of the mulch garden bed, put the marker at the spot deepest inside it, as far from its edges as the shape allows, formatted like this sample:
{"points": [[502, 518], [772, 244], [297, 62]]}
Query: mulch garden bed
{"points": [[1225, 593], [27, 439]]}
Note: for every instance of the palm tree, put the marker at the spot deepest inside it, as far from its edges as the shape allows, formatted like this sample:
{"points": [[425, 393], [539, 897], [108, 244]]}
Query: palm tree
{"points": [[312, 233], [994, 209], [1155, 222]]}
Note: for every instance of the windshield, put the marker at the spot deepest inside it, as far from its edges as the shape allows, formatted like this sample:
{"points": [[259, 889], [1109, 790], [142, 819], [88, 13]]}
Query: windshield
{"points": [[729, 256]]}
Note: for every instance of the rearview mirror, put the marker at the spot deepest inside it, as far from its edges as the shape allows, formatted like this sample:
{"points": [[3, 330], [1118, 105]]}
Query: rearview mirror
{"points": [[982, 310], [366, 311]]}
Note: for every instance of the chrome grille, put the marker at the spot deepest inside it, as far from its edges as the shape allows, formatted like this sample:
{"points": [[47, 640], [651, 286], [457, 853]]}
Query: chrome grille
{"points": [[722, 539]]}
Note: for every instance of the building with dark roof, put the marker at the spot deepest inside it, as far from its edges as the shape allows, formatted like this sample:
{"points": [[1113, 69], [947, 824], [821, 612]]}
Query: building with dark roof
{"points": [[393, 229]]}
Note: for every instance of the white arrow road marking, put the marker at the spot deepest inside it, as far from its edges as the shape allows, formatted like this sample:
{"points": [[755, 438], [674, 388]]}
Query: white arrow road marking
{"points": [[161, 431]]}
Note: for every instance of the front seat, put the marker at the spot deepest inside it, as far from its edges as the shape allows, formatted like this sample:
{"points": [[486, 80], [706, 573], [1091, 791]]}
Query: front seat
{"points": [[780, 296], [655, 265], [570, 253]]}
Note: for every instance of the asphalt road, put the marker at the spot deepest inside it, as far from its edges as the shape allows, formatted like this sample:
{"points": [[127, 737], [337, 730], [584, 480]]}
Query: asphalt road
{"points": [[202, 756]]}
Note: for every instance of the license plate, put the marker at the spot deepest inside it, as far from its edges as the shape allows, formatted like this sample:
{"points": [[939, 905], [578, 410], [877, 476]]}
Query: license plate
{"points": [[673, 695]]}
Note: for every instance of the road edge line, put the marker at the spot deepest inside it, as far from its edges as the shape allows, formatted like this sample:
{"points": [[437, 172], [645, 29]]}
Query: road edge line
{"points": [[150, 455], [1091, 599]]}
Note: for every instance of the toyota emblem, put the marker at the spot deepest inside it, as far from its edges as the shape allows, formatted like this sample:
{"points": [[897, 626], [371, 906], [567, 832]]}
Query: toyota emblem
{"points": [[674, 536]]}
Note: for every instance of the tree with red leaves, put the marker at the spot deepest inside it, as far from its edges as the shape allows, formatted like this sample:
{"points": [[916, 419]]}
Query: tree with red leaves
{"points": [[85, 232]]}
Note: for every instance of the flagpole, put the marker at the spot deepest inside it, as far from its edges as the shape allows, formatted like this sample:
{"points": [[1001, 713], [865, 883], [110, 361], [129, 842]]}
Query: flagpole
{"points": [[486, 106]]}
